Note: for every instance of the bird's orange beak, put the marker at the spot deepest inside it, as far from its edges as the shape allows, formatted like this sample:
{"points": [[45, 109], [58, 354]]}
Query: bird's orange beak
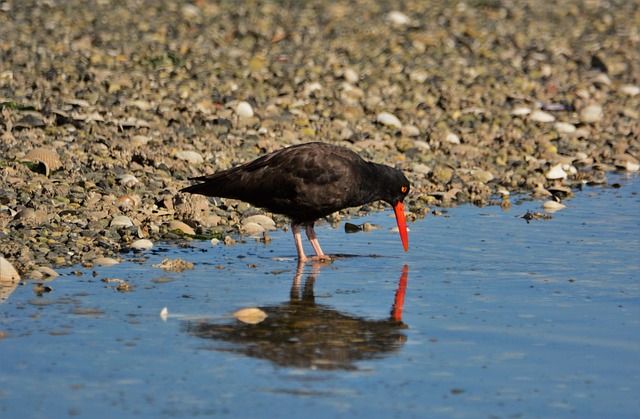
{"points": [[402, 224]]}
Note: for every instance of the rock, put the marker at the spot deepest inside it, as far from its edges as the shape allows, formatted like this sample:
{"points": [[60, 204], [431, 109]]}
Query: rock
{"points": [[262, 220], [542, 116], [386, 118], [8, 274], [564, 128], [250, 315], [189, 156], [244, 109], [121, 221], [141, 244], [180, 226], [591, 114], [552, 206], [556, 172], [252, 228], [397, 18], [105, 261]]}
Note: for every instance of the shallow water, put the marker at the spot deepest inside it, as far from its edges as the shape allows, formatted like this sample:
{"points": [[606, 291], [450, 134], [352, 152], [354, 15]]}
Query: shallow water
{"points": [[485, 316]]}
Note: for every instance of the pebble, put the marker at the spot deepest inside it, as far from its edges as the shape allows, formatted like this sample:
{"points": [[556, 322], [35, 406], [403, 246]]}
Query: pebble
{"points": [[262, 220], [520, 111], [591, 114], [410, 131], [386, 118], [556, 172], [244, 109], [121, 221], [141, 244], [542, 116], [189, 156], [251, 315], [8, 273], [252, 228], [630, 89], [350, 75], [180, 226], [105, 261], [452, 138], [398, 18], [552, 206], [564, 128]]}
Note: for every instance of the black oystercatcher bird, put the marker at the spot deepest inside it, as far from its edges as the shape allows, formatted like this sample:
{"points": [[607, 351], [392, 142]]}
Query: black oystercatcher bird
{"points": [[309, 181]]}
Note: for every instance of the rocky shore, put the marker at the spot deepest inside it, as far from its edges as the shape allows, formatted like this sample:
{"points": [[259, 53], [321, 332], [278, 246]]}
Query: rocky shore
{"points": [[108, 107]]}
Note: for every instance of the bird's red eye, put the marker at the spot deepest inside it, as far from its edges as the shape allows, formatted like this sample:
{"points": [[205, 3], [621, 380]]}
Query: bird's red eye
{"points": [[404, 189]]}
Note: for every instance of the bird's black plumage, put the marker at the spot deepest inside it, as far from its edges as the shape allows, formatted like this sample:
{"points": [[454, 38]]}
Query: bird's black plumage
{"points": [[306, 182]]}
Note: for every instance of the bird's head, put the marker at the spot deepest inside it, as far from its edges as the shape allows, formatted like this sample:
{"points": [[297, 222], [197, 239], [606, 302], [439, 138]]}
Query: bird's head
{"points": [[397, 188]]}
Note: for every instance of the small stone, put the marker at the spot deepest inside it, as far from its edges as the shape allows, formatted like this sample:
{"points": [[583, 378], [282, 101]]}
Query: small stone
{"points": [[630, 89], [552, 206], [591, 114], [542, 116], [410, 131], [104, 261], [520, 111], [180, 226], [8, 273], [350, 75], [398, 18], [564, 128], [142, 244], [128, 180], [556, 172], [386, 118], [262, 220], [121, 221], [250, 315], [244, 109], [252, 228], [452, 138], [189, 156]]}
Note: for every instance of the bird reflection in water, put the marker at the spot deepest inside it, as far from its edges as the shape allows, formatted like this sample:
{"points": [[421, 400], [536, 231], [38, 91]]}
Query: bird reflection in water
{"points": [[300, 333]]}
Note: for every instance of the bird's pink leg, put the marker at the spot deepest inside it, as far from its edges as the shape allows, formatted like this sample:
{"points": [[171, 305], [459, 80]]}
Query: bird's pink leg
{"points": [[295, 228], [311, 234]]}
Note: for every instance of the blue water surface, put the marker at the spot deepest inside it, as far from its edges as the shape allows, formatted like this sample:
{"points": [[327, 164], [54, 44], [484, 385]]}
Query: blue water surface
{"points": [[485, 316]]}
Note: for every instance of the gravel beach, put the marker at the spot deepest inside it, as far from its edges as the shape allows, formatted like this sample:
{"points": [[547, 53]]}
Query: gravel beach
{"points": [[108, 107]]}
